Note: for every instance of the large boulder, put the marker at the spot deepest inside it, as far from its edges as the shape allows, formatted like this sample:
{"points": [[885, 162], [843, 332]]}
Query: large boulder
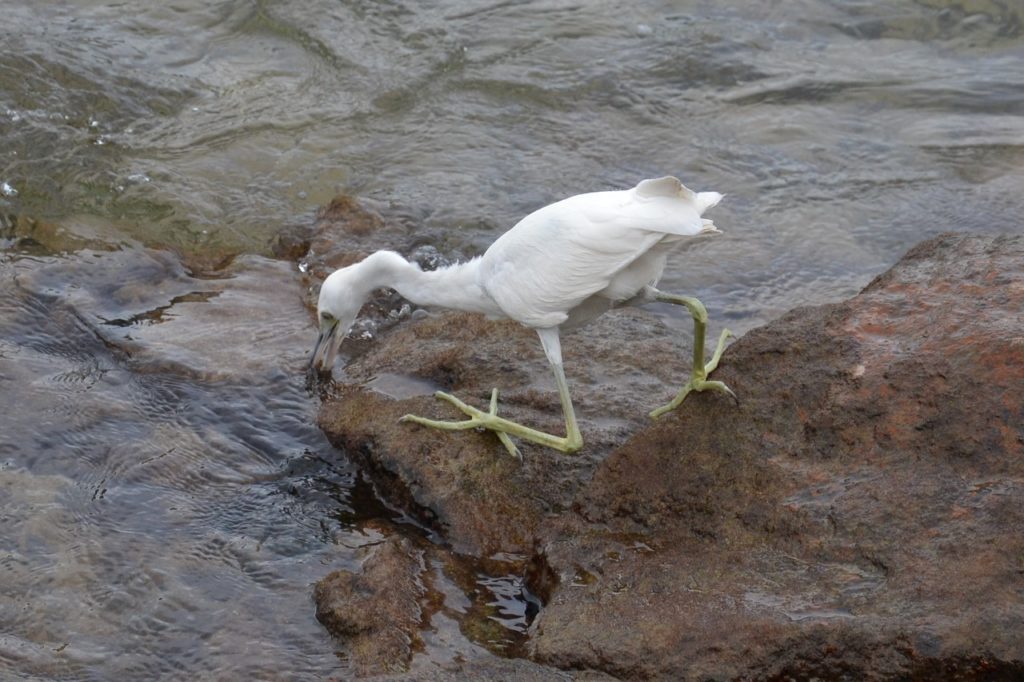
{"points": [[858, 514]]}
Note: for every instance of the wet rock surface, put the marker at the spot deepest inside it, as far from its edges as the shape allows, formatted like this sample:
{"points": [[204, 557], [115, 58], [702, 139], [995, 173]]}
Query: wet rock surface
{"points": [[464, 483], [376, 611], [402, 616], [856, 515]]}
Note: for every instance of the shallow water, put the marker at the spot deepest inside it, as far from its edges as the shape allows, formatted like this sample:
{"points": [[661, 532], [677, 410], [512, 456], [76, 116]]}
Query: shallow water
{"points": [[167, 501]]}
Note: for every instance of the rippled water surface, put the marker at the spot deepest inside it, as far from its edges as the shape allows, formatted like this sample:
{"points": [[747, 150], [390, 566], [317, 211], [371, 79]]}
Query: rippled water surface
{"points": [[165, 498]]}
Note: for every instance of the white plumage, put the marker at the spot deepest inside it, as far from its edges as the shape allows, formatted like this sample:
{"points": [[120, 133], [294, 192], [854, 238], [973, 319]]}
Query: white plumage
{"points": [[605, 244], [561, 266]]}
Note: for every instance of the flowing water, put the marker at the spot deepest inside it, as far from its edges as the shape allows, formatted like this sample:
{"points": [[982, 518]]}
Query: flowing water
{"points": [[166, 501]]}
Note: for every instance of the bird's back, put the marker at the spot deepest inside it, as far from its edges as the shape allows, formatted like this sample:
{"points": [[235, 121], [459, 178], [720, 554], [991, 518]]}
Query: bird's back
{"points": [[560, 255]]}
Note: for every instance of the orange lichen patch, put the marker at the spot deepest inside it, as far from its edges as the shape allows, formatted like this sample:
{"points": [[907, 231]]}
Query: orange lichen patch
{"points": [[885, 391], [900, 424], [1002, 364], [815, 476], [1011, 436], [873, 324]]}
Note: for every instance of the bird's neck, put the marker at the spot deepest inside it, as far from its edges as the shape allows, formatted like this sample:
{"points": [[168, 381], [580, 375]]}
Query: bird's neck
{"points": [[452, 287]]}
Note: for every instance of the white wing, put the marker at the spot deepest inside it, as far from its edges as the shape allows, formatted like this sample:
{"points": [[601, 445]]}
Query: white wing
{"points": [[556, 257]]}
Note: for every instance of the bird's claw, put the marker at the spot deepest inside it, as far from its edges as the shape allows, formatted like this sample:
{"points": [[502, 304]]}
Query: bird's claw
{"points": [[698, 382], [694, 385], [477, 419], [502, 436]]}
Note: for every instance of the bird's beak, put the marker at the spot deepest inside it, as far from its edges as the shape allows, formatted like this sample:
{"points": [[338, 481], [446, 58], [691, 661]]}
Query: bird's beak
{"points": [[326, 348]]}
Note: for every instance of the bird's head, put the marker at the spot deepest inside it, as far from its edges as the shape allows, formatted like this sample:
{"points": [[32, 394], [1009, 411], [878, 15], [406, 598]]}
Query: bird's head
{"points": [[341, 297]]}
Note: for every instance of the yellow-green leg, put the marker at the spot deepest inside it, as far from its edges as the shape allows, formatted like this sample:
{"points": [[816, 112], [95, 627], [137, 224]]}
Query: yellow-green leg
{"points": [[698, 379], [504, 428]]}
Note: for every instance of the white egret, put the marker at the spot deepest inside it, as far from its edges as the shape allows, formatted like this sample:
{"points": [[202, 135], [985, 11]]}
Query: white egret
{"points": [[559, 267]]}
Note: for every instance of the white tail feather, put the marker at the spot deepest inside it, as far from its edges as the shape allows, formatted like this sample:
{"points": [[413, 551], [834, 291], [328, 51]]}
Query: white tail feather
{"points": [[706, 200], [670, 186], [667, 186]]}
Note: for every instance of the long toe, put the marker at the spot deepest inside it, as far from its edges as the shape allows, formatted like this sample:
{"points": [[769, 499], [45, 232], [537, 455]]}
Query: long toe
{"points": [[441, 424], [714, 386], [503, 428]]}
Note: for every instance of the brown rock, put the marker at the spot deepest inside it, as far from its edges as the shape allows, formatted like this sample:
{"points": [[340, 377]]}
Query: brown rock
{"points": [[395, 607], [464, 483], [377, 611], [857, 516], [350, 216]]}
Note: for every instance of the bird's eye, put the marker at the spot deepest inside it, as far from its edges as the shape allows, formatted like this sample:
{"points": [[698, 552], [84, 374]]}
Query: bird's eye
{"points": [[326, 317]]}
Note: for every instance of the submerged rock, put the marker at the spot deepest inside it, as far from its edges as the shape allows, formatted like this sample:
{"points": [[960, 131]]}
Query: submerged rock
{"points": [[857, 515]]}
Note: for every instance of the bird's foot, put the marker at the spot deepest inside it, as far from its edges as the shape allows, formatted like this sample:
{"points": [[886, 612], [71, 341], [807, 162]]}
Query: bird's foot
{"points": [[698, 381], [502, 428]]}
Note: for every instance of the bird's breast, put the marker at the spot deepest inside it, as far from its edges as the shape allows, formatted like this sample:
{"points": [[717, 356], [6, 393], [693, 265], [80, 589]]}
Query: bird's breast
{"points": [[644, 271]]}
